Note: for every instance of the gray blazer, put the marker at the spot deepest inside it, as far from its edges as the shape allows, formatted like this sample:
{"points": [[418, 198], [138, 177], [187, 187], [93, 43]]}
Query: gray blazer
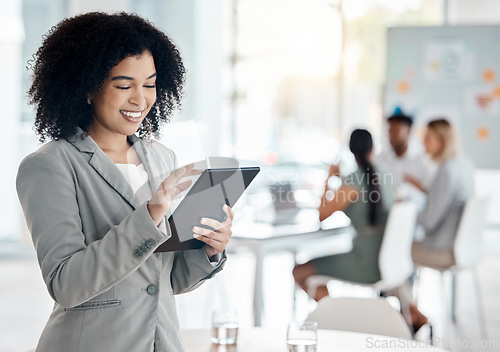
{"points": [[453, 185], [95, 244]]}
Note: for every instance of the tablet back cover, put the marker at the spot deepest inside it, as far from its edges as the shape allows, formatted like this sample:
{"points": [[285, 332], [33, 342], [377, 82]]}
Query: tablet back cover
{"points": [[213, 189]]}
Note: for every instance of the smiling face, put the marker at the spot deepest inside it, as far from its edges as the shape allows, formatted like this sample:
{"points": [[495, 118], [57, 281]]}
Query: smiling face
{"points": [[125, 98]]}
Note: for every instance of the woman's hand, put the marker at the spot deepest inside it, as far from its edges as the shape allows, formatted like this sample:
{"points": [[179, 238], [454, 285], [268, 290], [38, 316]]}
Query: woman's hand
{"points": [[215, 240], [168, 190]]}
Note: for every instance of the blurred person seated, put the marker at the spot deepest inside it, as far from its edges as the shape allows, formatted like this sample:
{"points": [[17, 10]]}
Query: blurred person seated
{"points": [[405, 161], [366, 198], [446, 197]]}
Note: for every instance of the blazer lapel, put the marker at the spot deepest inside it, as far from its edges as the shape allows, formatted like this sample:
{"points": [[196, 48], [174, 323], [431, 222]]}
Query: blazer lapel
{"points": [[104, 166]]}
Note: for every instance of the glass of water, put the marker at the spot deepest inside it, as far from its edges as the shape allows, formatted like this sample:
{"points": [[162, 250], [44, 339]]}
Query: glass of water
{"points": [[224, 326], [302, 336]]}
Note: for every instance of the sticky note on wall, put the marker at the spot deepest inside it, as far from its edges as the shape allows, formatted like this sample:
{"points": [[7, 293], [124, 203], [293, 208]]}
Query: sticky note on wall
{"points": [[403, 86], [483, 133], [488, 75]]}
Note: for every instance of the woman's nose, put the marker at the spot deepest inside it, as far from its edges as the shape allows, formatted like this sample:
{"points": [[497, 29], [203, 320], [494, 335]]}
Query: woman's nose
{"points": [[138, 98]]}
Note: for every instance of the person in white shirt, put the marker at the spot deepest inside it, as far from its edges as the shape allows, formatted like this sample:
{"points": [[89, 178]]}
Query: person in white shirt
{"points": [[406, 162]]}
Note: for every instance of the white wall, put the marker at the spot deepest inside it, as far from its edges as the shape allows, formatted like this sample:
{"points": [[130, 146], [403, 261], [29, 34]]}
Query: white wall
{"points": [[78, 6], [11, 37], [462, 12], [474, 12]]}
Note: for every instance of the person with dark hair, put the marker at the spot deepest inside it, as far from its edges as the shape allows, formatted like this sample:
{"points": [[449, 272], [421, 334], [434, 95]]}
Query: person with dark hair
{"points": [[404, 160], [365, 196], [96, 196]]}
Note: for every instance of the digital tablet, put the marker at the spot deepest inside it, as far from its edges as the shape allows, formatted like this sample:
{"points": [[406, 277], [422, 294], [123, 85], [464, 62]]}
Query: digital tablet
{"points": [[213, 189]]}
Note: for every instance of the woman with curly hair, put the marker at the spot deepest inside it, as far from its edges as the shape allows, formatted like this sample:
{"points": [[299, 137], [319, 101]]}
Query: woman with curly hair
{"points": [[95, 197]]}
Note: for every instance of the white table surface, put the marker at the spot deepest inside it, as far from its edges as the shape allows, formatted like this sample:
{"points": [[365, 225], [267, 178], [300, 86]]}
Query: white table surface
{"points": [[274, 340]]}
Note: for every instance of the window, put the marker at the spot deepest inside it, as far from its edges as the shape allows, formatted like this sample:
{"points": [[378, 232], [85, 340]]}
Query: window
{"points": [[283, 76]]}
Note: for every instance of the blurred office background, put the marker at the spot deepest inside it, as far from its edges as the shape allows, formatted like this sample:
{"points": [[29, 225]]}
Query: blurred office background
{"points": [[276, 83]]}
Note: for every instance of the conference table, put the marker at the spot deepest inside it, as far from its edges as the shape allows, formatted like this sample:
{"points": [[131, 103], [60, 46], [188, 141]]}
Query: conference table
{"points": [[274, 340], [263, 238]]}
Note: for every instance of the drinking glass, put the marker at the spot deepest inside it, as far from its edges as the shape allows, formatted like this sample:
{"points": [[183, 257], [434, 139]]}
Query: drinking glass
{"points": [[302, 336], [224, 326]]}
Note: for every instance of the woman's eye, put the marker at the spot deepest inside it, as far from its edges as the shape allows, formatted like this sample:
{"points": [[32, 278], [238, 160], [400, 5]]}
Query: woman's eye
{"points": [[150, 86], [119, 87]]}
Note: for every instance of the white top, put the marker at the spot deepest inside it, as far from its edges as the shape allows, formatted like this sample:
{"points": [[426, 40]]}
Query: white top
{"points": [[413, 163], [138, 179], [136, 176]]}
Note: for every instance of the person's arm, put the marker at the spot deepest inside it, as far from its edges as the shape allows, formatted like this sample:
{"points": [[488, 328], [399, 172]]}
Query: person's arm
{"points": [[76, 271], [335, 200], [439, 199], [192, 268], [415, 182]]}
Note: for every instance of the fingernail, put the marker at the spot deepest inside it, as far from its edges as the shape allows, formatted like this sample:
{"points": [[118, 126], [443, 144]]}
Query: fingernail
{"points": [[196, 229], [203, 221], [195, 235]]}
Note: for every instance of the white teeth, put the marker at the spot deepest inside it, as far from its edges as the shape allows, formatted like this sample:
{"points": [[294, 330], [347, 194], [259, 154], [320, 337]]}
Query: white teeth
{"points": [[131, 114]]}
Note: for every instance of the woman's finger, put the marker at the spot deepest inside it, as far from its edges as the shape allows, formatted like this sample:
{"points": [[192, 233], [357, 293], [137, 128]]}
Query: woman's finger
{"points": [[194, 172], [177, 175], [183, 185], [204, 232], [229, 212], [170, 182], [174, 191], [216, 245], [216, 225], [190, 170]]}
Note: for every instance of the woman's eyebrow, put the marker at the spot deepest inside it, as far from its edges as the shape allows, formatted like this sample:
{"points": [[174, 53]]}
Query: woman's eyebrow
{"points": [[119, 78], [127, 78]]}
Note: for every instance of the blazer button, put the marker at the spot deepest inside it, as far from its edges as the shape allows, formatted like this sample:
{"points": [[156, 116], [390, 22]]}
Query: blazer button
{"points": [[152, 290], [150, 243], [137, 253]]}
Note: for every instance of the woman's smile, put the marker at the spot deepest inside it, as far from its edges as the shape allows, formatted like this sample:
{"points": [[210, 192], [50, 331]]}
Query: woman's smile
{"points": [[132, 116]]}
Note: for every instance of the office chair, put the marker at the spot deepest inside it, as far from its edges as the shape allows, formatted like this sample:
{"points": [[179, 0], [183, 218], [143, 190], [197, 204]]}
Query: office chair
{"points": [[365, 315], [468, 251]]}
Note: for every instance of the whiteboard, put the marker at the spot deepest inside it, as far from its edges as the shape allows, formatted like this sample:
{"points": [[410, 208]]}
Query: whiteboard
{"points": [[452, 72]]}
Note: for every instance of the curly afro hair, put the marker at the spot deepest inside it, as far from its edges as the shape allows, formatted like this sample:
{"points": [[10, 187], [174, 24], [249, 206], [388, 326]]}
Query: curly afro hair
{"points": [[77, 56]]}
